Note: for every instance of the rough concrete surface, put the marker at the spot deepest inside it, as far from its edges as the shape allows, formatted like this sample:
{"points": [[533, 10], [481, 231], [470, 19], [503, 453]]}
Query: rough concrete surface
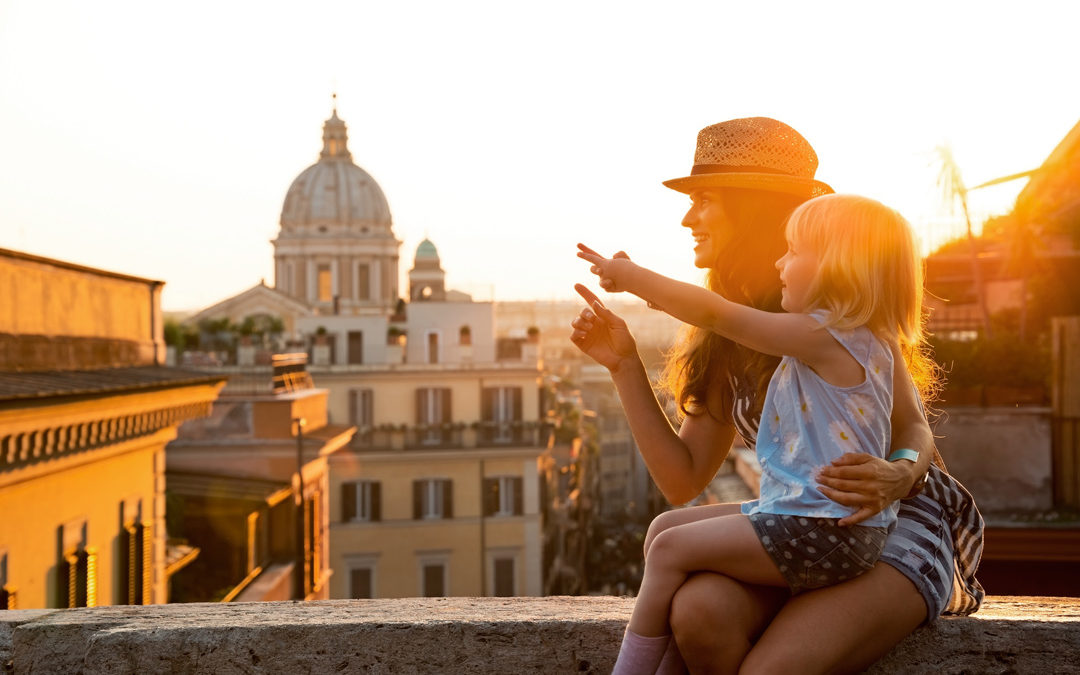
{"points": [[464, 635]]}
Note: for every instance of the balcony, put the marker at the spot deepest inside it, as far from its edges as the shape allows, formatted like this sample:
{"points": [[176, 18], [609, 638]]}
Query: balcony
{"points": [[451, 436], [464, 635]]}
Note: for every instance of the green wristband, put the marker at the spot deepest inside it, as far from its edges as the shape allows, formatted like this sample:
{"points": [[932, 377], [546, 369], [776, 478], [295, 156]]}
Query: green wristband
{"points": [[904, 453]]}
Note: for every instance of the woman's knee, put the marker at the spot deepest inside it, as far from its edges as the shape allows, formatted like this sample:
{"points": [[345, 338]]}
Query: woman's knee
{"points": [[716, 620], [661, 523]]}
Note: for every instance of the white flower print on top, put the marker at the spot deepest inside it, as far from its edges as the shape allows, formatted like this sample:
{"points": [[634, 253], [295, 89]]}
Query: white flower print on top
{"points": [[790, 450], [806, 407], [842, 435], [861, 407], [774, 421]]}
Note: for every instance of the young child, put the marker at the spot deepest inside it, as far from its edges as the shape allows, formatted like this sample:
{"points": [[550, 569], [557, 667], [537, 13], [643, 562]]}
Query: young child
{"points": [[851, 289]]}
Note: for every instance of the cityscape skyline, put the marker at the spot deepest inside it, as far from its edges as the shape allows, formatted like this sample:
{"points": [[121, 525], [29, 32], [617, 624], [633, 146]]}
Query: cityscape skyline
{"points": [[179, 135]]}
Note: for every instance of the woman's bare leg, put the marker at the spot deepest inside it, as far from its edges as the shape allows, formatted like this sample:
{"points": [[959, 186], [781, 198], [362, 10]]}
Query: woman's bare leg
{"points": [[839, 629], [689, 514], [716, 620]]}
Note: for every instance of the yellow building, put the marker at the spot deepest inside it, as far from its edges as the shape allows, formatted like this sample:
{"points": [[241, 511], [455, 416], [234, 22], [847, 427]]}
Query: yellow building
{"points": [[86, 409]]}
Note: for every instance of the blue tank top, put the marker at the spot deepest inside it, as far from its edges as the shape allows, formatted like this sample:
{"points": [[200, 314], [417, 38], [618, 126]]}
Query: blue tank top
{"points": [[807, 422]]}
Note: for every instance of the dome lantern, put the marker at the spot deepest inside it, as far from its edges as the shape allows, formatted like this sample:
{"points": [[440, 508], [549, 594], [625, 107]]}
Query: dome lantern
{"points": [[335, 139]]}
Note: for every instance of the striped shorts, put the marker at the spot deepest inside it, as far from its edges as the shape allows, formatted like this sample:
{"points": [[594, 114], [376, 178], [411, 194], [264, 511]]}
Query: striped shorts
{"points": [[921, 548]]}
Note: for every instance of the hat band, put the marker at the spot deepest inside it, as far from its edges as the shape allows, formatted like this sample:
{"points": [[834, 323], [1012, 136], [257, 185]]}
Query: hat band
{"points": [[729, 168]]}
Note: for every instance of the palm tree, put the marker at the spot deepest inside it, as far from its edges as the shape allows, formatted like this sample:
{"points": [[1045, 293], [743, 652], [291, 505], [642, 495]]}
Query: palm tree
{"points": [[952, 185]]}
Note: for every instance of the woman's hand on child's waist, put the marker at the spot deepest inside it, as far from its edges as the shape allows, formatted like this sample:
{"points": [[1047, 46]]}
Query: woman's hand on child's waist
{"points": [[866, 483]]}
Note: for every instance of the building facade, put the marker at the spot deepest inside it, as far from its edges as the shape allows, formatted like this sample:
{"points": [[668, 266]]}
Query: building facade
{"points": [[438, 491], [86, 409]]}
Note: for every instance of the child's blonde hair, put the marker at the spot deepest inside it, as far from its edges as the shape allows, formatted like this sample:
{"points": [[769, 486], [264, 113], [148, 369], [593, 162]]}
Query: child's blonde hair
{"points": [[870, 273]]}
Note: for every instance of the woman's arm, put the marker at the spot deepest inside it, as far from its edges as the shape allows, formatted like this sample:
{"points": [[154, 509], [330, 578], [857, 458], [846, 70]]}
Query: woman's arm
{"points": [[868, 483], [682, 463]]}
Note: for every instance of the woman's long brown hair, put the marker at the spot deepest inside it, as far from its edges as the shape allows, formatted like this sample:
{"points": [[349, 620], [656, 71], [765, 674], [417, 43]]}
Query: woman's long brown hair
{"points": [[744, 272]]}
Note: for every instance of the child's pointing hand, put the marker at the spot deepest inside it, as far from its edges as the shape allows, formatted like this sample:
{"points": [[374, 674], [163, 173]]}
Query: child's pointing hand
{"points": [[614, 272]]}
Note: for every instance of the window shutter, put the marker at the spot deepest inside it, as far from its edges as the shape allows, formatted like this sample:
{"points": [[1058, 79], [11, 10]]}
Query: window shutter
{"points": [[127, 564], [516, 412], [7, 598], [91, 576], [447, 434], [519, 496], [487, 404], [417, 499], [135, 565], [148, 564], [491, 496], [353, 408], [348, 502], [421, 409], [367, 404], [78, 580], [376, 501], [448, 499], [66, 580], [517, 404]]}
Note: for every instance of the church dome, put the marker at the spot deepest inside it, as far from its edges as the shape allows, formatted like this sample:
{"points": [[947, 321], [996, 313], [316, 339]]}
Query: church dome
{"points": [[334, 195], [426, 251]]}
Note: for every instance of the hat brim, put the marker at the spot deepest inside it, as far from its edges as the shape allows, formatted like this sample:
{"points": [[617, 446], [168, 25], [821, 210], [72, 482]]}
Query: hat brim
{"points": [[771, 182]]}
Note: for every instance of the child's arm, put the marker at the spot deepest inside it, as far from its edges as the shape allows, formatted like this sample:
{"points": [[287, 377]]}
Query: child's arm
{"points": [[779, 334]]}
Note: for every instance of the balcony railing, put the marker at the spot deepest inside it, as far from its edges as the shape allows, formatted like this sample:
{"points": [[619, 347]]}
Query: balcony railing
{"points": [[451, 436]]}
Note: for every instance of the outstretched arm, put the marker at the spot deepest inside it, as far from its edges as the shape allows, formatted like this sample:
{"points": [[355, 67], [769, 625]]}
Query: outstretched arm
{"points": [[682, 463], [775, 333]]}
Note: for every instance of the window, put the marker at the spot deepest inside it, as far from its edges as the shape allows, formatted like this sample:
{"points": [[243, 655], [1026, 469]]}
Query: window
{"points": [[356, 346], [363, 282], [136, 551], [7, 591], [361, 501], [77, 568], [504, 577], [433, 414], [433, 498], [361, 414], [501, 411], [360, 583], [433, 347], [325, 281], [503, 496], [434, 574]]}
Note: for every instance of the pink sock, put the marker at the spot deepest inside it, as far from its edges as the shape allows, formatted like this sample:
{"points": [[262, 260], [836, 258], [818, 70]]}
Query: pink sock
{"points": [[640, 655], [672, 663]]}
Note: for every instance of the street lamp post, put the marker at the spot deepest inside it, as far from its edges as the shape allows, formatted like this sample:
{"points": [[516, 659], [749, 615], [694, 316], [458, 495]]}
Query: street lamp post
{"points": [[298, 500]]}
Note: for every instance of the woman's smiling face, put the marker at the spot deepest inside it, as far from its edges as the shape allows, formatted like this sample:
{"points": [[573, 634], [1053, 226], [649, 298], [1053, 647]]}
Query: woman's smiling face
{"points": [[710, 224]]}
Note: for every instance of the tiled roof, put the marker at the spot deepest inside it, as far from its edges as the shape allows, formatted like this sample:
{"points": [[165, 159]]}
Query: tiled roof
{"points": [[50, 384]]}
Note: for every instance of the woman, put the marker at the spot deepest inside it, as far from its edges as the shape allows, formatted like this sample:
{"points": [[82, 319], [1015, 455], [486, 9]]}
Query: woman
{"points": [[748, 175]]}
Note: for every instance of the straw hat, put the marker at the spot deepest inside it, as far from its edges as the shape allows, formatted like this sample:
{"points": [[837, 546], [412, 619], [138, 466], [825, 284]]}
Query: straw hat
{"points": [[757, 153]]}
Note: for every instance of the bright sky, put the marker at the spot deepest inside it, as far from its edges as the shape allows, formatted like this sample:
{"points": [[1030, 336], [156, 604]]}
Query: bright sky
{"points": [[159, 139]]}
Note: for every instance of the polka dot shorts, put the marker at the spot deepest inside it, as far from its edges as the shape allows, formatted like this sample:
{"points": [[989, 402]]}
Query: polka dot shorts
{"points": [[815, 552]]}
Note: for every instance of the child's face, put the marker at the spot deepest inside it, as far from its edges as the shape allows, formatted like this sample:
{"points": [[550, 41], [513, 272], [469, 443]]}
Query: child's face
{"points": [[798, 268], [710, 226]]}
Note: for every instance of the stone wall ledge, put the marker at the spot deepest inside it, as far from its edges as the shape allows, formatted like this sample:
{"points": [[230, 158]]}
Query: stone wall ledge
{"points": [[464, 635]]}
